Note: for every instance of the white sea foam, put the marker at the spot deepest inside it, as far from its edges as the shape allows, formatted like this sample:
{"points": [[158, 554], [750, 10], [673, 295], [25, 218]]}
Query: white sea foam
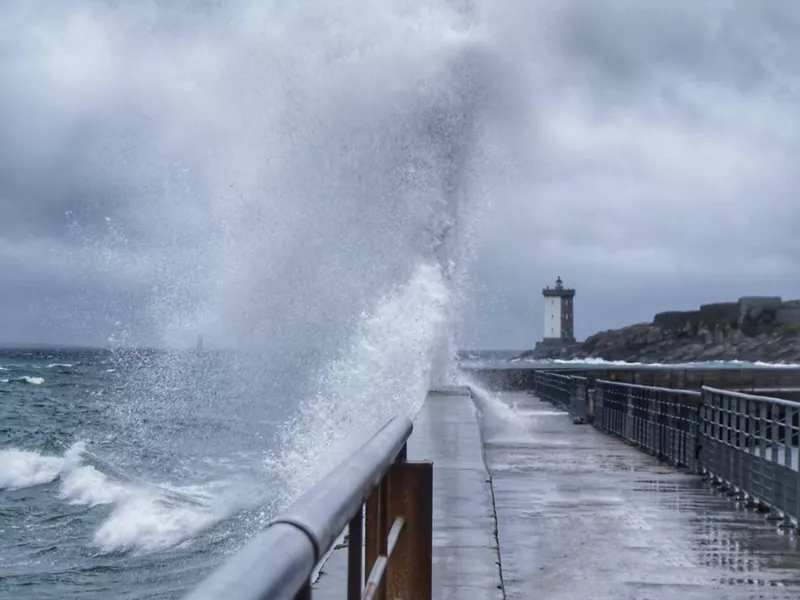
{"points": [[145, 517], [146, 521], [24, 379], [759, 363], [385, 372], [86, 485], [21, 469], [720, 363]]}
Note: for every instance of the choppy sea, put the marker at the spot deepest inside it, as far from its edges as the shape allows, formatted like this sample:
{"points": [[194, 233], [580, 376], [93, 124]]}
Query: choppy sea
{"points": [[109, 489]]}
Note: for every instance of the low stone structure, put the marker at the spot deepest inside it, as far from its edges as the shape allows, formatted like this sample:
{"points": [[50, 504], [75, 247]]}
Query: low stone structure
{"points": [[678, 320], [754, 328], [758, 308]]}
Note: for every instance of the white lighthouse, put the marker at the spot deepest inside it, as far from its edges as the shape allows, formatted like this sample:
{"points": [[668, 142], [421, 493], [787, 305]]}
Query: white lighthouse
{"points": [[558, 313]]}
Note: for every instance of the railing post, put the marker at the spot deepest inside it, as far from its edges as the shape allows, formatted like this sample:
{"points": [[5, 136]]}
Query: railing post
{"points": [[355, 549], [402, 456], [797, 476], [375, 529], [700, 430], [381, 510], [304, 593], [410, 570], [629, 415], [383, 529], [573, 396]]}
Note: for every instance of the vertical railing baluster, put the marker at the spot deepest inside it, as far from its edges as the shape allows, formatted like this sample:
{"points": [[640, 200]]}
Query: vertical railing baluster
{"points": [[304, 593], [383, 529], [410, 570], [355, 555], [796, 455], [370, 533]]}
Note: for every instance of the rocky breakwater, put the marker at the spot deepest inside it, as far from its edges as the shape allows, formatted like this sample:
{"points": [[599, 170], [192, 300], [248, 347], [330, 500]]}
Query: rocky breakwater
{"points": [[751, 329]]}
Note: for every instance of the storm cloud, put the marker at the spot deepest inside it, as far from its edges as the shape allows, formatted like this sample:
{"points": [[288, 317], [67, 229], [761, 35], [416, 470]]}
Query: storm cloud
{"points": [[253, 171], [647, 157], [663, 174]]}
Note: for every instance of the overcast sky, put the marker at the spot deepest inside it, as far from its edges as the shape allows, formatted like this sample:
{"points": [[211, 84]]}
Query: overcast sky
{"points": [[665, 171], [647, 153]]}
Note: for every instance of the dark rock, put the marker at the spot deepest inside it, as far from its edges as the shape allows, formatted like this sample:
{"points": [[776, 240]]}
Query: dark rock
{"points": [[752, 329]]}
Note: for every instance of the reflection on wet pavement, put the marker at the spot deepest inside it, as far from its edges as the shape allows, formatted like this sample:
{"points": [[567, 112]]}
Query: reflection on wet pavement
{"points": [[582, 515]]}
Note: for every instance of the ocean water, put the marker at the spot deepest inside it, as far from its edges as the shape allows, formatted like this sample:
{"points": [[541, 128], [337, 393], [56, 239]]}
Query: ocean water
{"points": [[132, 473], [93, 507]]}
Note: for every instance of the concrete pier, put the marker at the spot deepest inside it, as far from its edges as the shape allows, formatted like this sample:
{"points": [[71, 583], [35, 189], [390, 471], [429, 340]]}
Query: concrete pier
{"points": [[581, 515], [465, 553]]}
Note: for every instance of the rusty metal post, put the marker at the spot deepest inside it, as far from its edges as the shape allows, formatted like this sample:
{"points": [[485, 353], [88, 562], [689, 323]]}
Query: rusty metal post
{"points": [[355, 549], [370, 533], [409, 573], [402, 456], [383, 528], [304, 593], [377, 528]]}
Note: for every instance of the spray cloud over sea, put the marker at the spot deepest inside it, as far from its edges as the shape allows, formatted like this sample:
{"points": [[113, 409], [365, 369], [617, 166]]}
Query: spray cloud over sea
{"points": [[294, 182]]}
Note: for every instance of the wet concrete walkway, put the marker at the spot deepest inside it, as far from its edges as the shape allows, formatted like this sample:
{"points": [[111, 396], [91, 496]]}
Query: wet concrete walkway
{"points": [[581, 516], [465, 552], [465, 555]]}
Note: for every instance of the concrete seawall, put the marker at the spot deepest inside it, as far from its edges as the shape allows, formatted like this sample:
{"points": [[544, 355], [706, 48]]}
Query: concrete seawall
{"points": [[510, 377]]}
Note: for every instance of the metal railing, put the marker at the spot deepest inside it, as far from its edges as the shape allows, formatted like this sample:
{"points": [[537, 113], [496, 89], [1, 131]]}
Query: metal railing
{"points": [[749, 444], [567, 391], [385, 502], [661, 421], [555, 387], [578, 398]]}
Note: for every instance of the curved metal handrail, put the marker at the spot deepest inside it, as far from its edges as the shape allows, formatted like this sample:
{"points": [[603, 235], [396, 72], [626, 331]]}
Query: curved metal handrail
{"points": [[638, 386], [279, 561], [753, 397]]}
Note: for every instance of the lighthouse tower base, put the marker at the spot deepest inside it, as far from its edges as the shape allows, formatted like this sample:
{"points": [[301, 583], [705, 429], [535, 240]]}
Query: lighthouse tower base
{"points": [[554, 348]]}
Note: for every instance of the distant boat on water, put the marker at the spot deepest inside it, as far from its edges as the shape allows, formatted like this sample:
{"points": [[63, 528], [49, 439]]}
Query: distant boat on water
{"points": [[199, 346]]}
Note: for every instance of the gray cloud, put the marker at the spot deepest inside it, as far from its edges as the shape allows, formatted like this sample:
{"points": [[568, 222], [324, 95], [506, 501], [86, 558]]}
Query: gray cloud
{"points": [[664, 173], [255, 171], [260, 171]]}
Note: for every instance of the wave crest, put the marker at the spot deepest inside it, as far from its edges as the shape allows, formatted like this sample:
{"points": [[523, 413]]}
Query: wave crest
{"points": [[145, 517]]}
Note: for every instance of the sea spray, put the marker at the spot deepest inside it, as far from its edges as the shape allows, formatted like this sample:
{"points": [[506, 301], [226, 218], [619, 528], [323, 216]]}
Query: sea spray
{"points": [[349, 246], [385, 372], [499, 420], [290, 183]]}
